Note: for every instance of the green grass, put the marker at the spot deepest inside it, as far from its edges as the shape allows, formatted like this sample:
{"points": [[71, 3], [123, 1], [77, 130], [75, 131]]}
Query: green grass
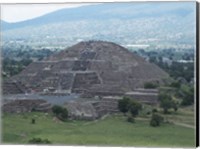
{"points": [[184, 115], [111, 131]]}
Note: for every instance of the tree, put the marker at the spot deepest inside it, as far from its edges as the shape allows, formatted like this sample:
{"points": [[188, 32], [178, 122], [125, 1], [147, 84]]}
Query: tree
{"points": [[188, 97], [123, 105], [134, 108], [60, 112], [166, 102]]}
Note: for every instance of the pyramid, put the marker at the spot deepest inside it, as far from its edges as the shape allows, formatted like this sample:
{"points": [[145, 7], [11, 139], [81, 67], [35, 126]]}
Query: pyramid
{"points": [[91, 66]]}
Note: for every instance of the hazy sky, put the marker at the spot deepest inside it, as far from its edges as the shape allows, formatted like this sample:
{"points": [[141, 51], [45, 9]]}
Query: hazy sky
{"points": [[20, 12]]}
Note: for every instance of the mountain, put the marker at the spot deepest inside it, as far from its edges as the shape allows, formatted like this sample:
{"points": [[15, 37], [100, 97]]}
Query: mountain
{"points": [[106, 11], [91, 66], [124, 23]]}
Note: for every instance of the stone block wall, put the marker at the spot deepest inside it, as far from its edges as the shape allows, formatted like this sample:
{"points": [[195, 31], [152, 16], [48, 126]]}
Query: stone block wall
{"points": [[23, 105]]}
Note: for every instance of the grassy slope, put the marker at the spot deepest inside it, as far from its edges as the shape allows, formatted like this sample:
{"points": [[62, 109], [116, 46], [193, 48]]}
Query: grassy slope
{"points": [[112, 131], [184, 116]]}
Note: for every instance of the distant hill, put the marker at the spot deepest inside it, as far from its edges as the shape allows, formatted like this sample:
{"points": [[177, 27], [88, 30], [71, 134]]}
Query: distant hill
{"points": [[107, 11], [119, 22]]}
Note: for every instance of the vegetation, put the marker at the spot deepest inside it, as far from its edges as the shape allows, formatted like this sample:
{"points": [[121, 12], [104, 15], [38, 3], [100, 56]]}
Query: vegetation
{"points": [[175, 84], [130, 119], [39, 141], [169, 60], [127, 105], [134, 108], [12, 67], [32, 121], [60, 112], [16, 58], [123, 105], [187, 95], [184, 70], [154, 110], [167, 103], [24, 52], [113, 131], [150, 85], [156, 119]]}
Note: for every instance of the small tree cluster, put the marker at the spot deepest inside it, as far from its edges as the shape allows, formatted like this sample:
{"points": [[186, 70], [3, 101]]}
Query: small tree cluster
{"points": [[39, 141], [60, 112], [175, 84], [125, 105], [188, 97], [167, 103], [156, 119]]}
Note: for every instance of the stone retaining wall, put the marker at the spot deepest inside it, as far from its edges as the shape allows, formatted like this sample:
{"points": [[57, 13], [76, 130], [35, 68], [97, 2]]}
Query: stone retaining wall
{"points": [[23, 105]]}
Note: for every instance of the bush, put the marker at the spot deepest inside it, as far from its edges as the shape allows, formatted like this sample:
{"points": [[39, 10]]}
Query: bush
{"points": [[60, 112], [156, 120], [130, 119], [134, 108], [148, 113], [123, 105], [154, 123], [150, 85], [154, 110], [32, 121], [39, 141], [175, 84]]}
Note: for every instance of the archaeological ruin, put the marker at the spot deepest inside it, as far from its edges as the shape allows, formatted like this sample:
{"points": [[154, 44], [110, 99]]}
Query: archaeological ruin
{"points": [[90, 69]]}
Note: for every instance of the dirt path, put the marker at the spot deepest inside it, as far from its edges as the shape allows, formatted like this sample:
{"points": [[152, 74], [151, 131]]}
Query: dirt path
{"points": [[184, 125]]}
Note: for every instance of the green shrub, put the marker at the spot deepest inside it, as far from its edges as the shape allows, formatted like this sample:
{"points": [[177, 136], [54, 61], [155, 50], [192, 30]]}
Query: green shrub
{"points": [[150, 85], [175, 84], [130, 119], [134, 108], [154, 110], [154, 123], [148, 113], [60, 112], [156, 120], [39, 141], [123, 105], [32, 121]]}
